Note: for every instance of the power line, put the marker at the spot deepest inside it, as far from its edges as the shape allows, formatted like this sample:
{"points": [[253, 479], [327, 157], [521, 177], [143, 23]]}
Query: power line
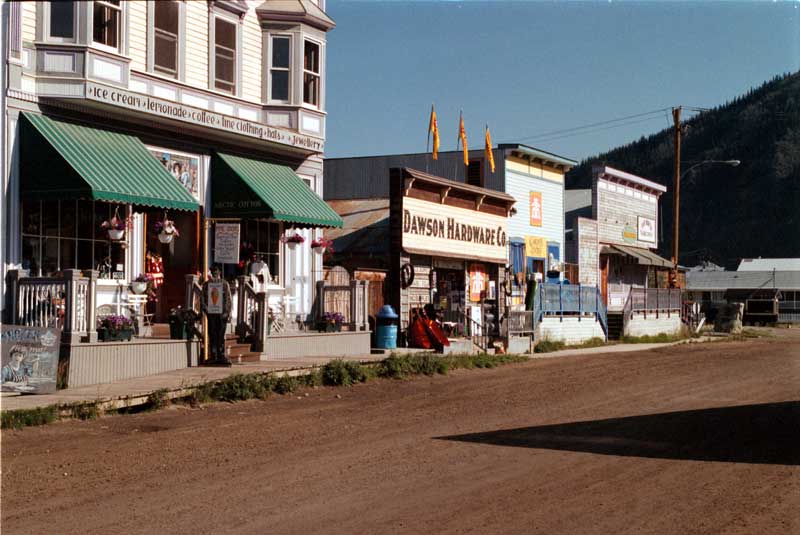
{"points": [[598, 129], [591, 125]]}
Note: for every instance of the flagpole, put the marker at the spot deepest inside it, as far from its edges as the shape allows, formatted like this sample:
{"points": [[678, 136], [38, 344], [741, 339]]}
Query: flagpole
{"points": [[460, 118], [428, 142]]}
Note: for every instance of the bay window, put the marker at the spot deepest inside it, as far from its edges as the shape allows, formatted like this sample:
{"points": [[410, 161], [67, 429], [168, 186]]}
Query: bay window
{"points": [[280, 72], [62, 21], [311, 73], [166, 34], [106, 23], [224, 55]]}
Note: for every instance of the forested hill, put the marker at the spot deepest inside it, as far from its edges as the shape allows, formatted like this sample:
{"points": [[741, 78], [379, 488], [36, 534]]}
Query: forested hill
{"points": [[726, 212]]}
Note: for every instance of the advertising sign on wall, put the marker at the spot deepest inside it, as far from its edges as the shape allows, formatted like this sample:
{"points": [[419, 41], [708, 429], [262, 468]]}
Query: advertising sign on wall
{"points": [[477, 282], [215, 297], [647, 229], [535, 247], [30, 359], [435, 229], [226, 243], [184, 167], [536, 208]]}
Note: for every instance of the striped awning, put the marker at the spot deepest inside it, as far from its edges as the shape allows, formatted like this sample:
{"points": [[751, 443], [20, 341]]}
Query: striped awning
{"points": [[243, 187], [61, 160]]}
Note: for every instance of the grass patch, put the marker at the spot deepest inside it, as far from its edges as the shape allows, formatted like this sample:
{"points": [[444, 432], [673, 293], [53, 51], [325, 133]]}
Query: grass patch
{"points": [[548, 346], [28, 417], [660, 338], [343, 373], [84, 411], [157, 399]]}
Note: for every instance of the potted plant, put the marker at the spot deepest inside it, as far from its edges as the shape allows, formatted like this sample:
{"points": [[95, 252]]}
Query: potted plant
{"points": [[115, 328], [183, 323], [115, 228], [166, 230], [321, 245], [293, 240], [331, 322], [139, 284]]}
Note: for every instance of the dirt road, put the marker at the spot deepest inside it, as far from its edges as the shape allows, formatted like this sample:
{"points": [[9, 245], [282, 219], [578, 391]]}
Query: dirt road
{"points": [[690, 439]]}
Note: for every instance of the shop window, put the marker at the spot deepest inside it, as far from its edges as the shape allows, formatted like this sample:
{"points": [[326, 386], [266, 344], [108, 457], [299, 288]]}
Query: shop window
{"points": [[224, 55], [279, 71], [107, 17], [166, 30], [261, 242], [311, 73], [59, 235], [62, 20], [475, 173]]}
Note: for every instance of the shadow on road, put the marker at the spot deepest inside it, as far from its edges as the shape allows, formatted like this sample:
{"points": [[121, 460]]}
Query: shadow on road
{"points": [[764, 434]]}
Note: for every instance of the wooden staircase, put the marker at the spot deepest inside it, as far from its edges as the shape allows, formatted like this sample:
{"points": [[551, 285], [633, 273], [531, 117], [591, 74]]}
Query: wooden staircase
{"points": [[615, 325], [239, 353]]}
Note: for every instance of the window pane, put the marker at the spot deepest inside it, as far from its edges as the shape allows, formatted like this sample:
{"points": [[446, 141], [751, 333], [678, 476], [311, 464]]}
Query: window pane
{"points": [[86, 219], [106, 25], [311, 89], [67, 219], [165, 57], [49, 256], [223, 67], [280, 52], [50, 218], [68, 254], [311, 57], [100, 259], [30, 217], [225, 33], [280, 85], [85, 259], [62, 19], [166, 16], [30, 255]]}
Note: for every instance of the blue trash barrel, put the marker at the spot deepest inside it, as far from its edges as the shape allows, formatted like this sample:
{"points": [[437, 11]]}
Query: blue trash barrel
{"points": [[386, 328]]}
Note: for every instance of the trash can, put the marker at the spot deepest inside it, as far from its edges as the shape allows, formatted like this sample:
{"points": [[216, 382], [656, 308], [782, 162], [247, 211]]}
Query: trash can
{"points": [[386, 328]]}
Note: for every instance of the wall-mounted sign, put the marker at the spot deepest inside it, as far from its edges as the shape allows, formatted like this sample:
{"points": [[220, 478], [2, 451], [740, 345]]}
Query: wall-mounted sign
{"points": [[226, 243], [535, 247], [628, 234], [174, 110], [30, 359], [647, 229], [184, 167], [536, 208], [440, 230], [477, 282]]}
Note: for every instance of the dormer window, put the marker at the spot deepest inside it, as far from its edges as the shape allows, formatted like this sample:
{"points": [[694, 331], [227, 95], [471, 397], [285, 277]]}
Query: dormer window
{"points": [[107, 18], [311, 73]]}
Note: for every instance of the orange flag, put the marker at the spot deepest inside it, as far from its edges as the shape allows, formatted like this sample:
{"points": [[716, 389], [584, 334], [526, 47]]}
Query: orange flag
{"points": [[433, 128], [462, 136], [488, 149]]}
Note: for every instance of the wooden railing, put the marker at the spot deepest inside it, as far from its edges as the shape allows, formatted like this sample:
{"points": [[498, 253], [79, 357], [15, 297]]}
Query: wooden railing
{"points": [[351, 300], [561, 300], [655, 302], [67, 302], [477, 332], [252, 315]]}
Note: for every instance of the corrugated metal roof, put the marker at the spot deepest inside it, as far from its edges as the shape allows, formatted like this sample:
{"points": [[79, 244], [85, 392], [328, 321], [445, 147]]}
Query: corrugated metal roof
{"points": [[742, 280], [475, 190], [287, 197], [768, 264], [645, 257], [73, 161], [365, 227]]}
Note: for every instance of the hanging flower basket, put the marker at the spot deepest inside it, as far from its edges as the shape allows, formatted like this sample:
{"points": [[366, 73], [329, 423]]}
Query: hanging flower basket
{"points": [[321, 245], [293, 240], [115, 227], [138, 287], [166, 229]]}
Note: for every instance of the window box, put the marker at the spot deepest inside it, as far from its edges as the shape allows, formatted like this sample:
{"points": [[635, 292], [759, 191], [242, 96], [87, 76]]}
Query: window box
{"points": [[107, 335]]}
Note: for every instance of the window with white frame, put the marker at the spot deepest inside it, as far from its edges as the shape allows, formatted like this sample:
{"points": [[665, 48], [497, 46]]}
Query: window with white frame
{"points": [[62, 21], [311, 73], [225, 55], [166, 36], [106, 23], [280, 71]]}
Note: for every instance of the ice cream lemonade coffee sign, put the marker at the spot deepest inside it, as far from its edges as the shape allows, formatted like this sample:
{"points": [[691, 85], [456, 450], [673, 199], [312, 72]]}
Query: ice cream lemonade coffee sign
{"points": [[439, 230]]}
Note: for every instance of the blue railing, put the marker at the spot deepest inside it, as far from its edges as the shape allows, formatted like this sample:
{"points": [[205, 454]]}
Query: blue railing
{"points": [[569, 300]]}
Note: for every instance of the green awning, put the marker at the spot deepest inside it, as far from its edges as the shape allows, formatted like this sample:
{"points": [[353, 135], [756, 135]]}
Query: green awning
{"points": [[242, 187], [60, 160]]}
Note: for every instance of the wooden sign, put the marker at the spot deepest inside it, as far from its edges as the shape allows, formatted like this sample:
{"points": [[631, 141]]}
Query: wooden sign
{"points": [[646, 229], [215, 297], [536, 208], [477, 281], [30, 359], [226, 243]]}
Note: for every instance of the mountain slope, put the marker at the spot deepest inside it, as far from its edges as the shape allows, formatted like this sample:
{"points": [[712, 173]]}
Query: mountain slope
{"points": [[726, 212]]}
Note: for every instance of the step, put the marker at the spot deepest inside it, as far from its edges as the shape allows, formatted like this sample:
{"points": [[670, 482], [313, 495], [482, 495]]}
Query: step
{"points": [[251, 356], [238, 349]]}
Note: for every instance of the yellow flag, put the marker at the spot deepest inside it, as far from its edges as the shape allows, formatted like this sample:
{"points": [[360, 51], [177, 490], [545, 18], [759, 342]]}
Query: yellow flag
{"points": [[462, 135], [488, 149], [433, 128]]}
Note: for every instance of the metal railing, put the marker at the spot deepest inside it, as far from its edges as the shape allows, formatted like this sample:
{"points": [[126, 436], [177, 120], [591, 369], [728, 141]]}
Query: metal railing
{"points": [[350, 300], [475, 331], [561, 300], [66, 302]]}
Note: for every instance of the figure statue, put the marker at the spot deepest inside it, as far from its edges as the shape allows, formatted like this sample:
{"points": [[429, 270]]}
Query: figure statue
{"points": [[217, 303]]}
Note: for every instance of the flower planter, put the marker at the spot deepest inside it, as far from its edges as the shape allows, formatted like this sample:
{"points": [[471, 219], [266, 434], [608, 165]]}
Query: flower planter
{"points": [[116, 235], [166, 237], [327, 327], [138, 287], [320, 249], [122, 335], [291, 245]]}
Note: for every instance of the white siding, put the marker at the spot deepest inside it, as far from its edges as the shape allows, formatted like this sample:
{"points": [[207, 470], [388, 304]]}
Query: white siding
{"points": [[652, 326], [569, 330], [520, 186], [28, 21], [197, 44], [137, 35], [251, 58]]}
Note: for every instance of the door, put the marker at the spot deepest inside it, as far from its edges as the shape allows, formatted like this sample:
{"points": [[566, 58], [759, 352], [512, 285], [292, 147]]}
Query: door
{"points": [[604, 277]]}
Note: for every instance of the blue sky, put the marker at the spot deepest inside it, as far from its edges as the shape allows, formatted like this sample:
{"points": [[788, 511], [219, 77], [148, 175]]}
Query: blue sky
{"points": [[529, 68]]}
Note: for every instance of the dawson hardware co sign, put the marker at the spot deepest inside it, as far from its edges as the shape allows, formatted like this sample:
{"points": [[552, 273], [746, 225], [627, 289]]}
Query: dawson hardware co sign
{"points": [[447, 231]]}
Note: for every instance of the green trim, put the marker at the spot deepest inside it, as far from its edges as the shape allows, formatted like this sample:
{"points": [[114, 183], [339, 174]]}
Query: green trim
{"points": [[245, 187], [60, 159]]}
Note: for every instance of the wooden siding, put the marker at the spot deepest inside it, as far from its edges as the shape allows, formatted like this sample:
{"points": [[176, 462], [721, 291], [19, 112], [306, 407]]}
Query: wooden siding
{"points": [[334, 345], [618, 208], [197, 44], [251, 54], [652, 326], [524, 166], [137, 35], [520, 187], [28, 21]]}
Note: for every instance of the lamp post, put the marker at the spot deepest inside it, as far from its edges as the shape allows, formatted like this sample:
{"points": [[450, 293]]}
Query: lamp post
{"points": [[676, 200]]}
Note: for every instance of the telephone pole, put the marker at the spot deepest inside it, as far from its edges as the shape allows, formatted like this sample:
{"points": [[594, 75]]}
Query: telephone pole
{"points": [[676, 199]]}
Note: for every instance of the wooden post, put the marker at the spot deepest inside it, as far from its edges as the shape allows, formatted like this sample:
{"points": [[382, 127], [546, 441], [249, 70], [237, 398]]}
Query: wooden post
{"points": [[241, 308], [68, 335], [262, 319], [191, 280], [353, 305], [91, 305], [320, 300], [12, 296], [676, 199]]}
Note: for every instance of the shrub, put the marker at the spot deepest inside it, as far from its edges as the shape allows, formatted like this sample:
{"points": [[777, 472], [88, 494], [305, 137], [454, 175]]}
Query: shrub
{"points": [[548, 346], [85, 411], [158, 399], [240, 387], [285, 384], [28, 417], [343, 373]]}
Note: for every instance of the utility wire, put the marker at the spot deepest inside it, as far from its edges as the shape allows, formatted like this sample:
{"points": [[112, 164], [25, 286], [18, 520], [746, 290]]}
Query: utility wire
{"points": [[591, 125], [598, 129]]}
